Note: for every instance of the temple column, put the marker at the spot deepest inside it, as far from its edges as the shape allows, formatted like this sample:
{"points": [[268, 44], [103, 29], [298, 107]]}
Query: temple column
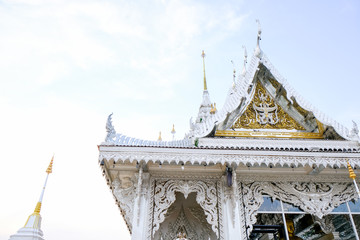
{"points": [[231, 211], [140, 210]]}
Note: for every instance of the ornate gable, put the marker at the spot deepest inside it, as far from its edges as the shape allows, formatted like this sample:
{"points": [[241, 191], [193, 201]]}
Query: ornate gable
{"points": [[264, 113], [269, 113]]}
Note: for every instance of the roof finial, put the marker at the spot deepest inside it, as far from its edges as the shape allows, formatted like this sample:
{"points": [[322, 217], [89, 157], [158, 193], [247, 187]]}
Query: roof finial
{"points": [[203, 56], [160, 139], [213, 108], [234, 74], [258, 51], [173, 131], [245, 61]]}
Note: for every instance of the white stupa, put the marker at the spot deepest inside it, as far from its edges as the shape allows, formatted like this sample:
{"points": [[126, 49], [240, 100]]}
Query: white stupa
{"points": [[32, 228]]}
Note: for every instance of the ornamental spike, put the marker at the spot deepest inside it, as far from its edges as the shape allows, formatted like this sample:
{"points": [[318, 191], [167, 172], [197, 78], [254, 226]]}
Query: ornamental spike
{"points": [[203, 56]]}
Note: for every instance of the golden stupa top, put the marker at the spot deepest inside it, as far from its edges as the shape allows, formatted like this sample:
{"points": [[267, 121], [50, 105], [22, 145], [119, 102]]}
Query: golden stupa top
{"points": [[49, 169], [34, 220]]}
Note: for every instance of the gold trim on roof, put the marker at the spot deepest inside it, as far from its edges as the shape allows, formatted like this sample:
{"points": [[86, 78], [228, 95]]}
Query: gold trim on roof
{"points": [[270, 134]]}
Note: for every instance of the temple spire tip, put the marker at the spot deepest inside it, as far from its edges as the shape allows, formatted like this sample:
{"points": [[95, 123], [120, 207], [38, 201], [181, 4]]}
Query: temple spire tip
{"points": [[203, 56]]}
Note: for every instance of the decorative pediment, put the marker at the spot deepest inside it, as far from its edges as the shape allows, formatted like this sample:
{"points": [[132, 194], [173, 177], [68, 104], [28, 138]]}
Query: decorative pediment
{"points": [[264, 113], [268, 112]]}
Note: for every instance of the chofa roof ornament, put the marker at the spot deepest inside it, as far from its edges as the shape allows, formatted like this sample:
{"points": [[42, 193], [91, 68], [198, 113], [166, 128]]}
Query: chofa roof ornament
{"points": [[110, 130], [258, 52]]}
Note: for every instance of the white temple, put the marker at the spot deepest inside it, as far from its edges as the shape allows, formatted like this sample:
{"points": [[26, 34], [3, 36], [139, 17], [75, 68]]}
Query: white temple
{"points": [[32, 228], [267, 165]]}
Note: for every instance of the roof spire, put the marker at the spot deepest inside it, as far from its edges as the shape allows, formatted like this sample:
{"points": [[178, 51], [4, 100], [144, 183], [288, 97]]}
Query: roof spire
{"points": [[258, 51], [245, 61], [203, 56], [32, 227], [159, 139]]}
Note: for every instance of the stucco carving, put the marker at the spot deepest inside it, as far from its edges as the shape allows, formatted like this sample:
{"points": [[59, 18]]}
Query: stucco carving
{"points": [[165, 195], [247, 158], [125, 193], [316, 198]]}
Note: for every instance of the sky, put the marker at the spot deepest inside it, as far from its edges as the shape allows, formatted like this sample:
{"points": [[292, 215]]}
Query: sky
{"points": [[66, 65]]}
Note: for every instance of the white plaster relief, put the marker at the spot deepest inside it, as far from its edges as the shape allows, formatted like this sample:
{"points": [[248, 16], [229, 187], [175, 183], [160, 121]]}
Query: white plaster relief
{"points": [[220, 197], [249, 158], [150, 207], [281, 144], [316, 198], [165, 195], [125, 193]]}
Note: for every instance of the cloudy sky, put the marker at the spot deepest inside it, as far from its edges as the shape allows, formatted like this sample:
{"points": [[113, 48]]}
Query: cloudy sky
{"points": [[66, 65]]}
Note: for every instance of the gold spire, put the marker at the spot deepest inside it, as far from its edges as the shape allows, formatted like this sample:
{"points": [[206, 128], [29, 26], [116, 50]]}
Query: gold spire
{"points": [[37, 208], [203, 56], [173, 129], [352, 174], [159, 139], [49, 169], [34, 219]]}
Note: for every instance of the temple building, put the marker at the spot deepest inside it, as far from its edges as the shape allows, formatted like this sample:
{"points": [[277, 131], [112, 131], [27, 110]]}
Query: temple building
{"points": [[267, 165], [32, 228]]}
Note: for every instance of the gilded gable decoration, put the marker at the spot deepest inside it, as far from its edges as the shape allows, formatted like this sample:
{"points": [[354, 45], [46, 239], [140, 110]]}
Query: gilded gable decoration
{"points": [[264, 113]]}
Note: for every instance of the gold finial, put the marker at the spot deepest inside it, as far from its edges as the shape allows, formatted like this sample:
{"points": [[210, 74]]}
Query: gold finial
{"points": [[49, 169], [159, 139], [173, 129], [213, 108], [351, 172], [203, 56], [37, 208]]}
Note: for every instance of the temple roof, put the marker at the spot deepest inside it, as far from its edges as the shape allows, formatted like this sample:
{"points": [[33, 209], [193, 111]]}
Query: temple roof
{"points": [[301, 119], [259, 105], [239, 97]]}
